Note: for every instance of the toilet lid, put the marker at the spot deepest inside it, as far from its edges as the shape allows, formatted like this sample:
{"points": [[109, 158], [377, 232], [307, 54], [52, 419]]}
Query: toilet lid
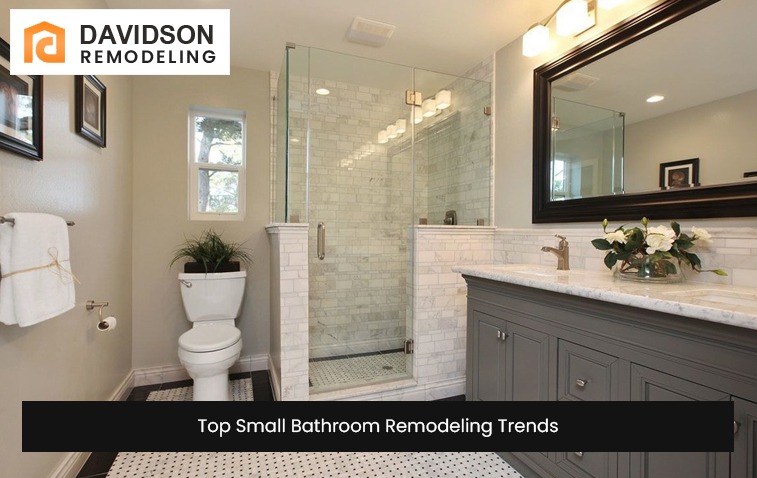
{"points": [[209, 338]]}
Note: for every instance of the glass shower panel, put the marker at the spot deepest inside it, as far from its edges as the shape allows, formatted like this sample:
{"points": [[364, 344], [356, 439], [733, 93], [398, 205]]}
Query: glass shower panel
{"points": [[298, 104], [281, 132], [360, 205], [452, 153], [587, 145]]}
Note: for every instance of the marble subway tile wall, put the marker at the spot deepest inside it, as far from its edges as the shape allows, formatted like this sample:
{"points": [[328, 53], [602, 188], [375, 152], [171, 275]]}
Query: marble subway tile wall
{"points": [[732, 249], [364, 197], [458, 151], [440, 297], [289, 308]]}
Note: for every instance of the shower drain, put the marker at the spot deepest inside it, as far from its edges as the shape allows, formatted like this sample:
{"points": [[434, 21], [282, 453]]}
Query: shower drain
{"points": [[387, 367]]}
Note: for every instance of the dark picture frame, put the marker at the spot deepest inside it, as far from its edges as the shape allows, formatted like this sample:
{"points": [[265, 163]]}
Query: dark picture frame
{"points": [[679, 174], [90, 99], [20, 109]]}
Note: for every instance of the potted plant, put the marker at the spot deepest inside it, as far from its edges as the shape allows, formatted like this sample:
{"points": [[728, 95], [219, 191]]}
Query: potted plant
{"points": [[210, 253]]}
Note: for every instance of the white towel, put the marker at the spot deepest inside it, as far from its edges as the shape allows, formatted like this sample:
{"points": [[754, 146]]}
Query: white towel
{"points": [[7, 315], [40, 277]]}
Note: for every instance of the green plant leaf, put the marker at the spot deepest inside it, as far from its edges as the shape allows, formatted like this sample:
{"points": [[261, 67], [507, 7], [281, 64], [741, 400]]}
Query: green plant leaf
{"points": [[601, 244], [634, 239], [210, 248], [676, 227], [610, 259]]}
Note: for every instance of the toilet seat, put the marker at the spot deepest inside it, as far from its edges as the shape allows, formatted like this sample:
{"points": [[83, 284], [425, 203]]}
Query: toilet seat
{"points": [[209, 338]]}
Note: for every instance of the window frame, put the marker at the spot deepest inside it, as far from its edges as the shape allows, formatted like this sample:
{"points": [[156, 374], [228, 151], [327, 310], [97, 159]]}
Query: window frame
{"points": [[195, 167]]}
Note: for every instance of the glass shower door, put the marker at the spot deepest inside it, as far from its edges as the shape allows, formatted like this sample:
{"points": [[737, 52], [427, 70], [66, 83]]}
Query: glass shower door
{"points": [[360, 203]]}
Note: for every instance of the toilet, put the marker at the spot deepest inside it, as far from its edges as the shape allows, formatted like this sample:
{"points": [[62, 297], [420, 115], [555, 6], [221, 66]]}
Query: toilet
{"points": [[212, 303]]}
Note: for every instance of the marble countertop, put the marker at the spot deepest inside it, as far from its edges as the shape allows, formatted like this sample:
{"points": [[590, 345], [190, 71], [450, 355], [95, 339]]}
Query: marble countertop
{"points": [[712, 302]]}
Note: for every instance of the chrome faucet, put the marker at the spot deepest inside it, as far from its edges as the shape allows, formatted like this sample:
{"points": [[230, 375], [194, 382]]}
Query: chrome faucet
{"points": [[562, 252]]}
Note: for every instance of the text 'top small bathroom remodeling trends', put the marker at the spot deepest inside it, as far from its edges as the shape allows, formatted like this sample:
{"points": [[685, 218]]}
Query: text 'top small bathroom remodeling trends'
{"points": [[364, 151]]}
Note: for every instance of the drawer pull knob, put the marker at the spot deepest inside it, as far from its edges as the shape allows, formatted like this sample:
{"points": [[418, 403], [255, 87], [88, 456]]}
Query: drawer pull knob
{"points": [[581, 383], [736, 426], [579, 454]]}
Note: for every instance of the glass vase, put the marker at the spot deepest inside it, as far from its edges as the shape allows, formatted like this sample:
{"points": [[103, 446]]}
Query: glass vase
{"points": [[642, 268]]}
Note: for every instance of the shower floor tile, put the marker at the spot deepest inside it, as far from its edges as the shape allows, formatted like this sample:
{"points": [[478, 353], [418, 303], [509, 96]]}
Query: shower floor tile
{"points": [[356, 369]]}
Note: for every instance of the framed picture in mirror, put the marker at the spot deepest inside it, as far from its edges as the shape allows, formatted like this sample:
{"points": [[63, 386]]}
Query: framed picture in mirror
{"points": [[679, 174]]}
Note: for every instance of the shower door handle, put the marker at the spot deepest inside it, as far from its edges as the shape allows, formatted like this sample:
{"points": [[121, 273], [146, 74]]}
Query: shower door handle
{"points": [[321, 240]]}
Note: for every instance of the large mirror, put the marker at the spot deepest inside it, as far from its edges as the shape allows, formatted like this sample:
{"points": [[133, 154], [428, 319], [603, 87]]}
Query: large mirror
{"points": [[602, 151]]}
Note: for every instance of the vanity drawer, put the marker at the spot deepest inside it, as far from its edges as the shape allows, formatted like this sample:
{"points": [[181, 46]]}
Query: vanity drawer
{"points": [[589, 464], [586, 374]]}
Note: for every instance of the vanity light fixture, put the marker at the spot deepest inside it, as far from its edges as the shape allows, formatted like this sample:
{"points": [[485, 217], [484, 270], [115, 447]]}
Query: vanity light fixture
{"points": [[571, 18], [417, 114], [322, 91], [382, 137], [443, 99], [536, 40], [429, 107], [391, 131], [401, 126], [655, 99]]}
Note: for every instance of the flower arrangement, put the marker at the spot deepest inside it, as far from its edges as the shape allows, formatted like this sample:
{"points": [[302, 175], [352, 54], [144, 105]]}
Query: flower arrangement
{"points": [[652, 251]]}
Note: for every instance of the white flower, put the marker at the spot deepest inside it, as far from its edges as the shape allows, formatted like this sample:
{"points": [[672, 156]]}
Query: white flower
{"points": [[701, 235], [659, 238], [617, 236]]}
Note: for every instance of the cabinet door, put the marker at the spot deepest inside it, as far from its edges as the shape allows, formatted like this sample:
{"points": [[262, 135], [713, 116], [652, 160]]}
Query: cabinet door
{"points": [[488, 357], [527, 374], [744, 456], [652, 385], [585, 374]]}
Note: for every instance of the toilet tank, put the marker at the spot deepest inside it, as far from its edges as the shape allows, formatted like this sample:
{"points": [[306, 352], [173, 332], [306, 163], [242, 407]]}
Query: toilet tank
{"points": [[212, 296]]}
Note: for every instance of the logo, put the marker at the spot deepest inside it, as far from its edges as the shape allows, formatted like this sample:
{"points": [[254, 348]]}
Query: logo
{"points": [[120, 42], [50, 46]]}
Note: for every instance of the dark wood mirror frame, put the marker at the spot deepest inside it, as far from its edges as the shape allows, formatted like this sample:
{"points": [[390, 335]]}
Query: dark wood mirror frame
{"points": [[717, 201]]}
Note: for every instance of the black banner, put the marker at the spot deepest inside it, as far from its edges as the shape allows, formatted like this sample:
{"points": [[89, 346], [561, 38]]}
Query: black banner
{"points": [[377, 426]]}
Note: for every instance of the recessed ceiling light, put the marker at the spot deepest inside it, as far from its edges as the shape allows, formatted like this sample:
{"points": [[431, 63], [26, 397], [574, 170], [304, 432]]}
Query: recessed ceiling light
{"points": [[322, 91], [655, 98], [294, 140]]}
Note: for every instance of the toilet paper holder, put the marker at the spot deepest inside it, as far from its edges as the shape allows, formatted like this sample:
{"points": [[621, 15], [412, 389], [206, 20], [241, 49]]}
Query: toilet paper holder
{"points": [[91, 304]]}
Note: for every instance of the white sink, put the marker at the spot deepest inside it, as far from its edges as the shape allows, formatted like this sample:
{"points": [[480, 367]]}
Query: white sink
{"points": [[722, 297]]}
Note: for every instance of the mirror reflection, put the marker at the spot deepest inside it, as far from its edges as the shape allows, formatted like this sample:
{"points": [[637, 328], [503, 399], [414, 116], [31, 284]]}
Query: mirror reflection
{"points": [[675, 109]]}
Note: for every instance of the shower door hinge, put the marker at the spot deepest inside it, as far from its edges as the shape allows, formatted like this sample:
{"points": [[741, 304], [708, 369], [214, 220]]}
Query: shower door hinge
{"points": [[409, 346], [488, 110], [413, 98]]}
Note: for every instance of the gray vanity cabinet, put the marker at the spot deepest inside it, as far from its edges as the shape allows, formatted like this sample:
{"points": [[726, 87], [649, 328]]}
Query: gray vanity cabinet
{"points": [[652, 385], [526, 343], [508, 360], [744, 456]]}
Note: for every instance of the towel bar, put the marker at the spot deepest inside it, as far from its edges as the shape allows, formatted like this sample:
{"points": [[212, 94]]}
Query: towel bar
{"points": [[12, 221]]}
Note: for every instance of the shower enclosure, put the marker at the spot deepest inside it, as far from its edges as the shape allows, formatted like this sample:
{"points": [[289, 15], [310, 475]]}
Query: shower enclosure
{"points": [[587, 146], [361, 158]]}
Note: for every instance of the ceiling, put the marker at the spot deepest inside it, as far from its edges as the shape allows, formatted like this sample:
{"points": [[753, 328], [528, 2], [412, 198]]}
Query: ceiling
{"points": [[448, 36]]}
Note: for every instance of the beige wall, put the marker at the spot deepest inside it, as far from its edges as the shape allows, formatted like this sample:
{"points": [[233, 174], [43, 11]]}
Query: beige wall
{"points": [[65, 358], [161, 105], [513, 132]]}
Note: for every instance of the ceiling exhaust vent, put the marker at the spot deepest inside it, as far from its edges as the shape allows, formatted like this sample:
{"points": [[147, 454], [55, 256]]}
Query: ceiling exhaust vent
{"points": [[575, 82], [369, 32]]}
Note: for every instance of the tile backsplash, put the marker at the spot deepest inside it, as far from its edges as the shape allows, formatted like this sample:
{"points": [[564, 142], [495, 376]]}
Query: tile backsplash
{"points": [[732, 249]]}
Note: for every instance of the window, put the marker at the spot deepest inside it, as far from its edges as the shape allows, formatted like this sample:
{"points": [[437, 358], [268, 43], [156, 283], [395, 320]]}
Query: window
{"points": [[216, 164]]}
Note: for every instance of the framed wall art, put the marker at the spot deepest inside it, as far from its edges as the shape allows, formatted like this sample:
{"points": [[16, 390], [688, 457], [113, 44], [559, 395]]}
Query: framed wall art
{"points": [[90, 96], [679, 174], [20, 109]]}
